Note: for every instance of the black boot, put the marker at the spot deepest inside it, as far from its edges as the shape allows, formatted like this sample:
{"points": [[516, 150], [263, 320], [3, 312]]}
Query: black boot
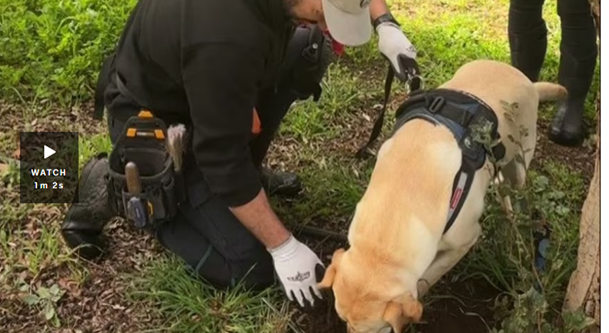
{"points": [[280, 183], [528, 50], [567, 127], [578, 53], [89, 213]]}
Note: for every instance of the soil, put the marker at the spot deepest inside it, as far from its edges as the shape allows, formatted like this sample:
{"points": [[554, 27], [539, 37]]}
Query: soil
{"points": [[470, 311], [575, 158], [467, 309]]}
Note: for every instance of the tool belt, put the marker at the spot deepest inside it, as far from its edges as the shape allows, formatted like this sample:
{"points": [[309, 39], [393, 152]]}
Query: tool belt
{"points": [[144, 186]]}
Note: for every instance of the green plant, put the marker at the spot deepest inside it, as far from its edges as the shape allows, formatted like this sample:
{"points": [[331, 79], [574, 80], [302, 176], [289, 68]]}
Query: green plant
{"points": [[190, 305], [534, 291], [44, 299], [52, 50]]}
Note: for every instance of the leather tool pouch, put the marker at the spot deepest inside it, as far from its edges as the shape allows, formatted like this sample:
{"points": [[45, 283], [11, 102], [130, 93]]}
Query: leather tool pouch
{"points": [[143, 142]]}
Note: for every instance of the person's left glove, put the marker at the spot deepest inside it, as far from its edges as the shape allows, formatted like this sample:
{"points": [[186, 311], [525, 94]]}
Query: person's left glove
{"points": [[296, 266], [397, 48]]}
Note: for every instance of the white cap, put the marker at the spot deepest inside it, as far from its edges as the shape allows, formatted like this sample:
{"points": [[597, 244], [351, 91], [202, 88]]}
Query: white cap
{"points": [[348, 21]]}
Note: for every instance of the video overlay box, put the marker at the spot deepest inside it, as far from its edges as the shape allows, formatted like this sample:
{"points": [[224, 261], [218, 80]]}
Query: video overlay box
{"points": [[48, 167]]}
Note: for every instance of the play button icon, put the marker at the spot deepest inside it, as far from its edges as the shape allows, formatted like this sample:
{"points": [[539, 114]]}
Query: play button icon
{"points": [[48, 151]]}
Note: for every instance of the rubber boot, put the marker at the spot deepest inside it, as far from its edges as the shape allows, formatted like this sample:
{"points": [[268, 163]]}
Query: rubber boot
{"points": [[528, 50], [578, 54], [280, 183], [567, 127], [85, 220]]}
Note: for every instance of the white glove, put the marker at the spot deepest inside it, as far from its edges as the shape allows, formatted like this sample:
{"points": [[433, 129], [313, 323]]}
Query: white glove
{"points": [[295, 265], [396, 47]]}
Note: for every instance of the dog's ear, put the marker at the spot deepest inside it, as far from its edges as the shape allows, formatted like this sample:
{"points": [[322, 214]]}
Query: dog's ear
{"points": [[394, 316], [402, 310], [413, 309], [328, 279]]}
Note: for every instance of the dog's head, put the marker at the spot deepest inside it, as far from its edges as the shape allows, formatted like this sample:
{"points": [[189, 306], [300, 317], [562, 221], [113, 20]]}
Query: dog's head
{"points": [[365, 305]]}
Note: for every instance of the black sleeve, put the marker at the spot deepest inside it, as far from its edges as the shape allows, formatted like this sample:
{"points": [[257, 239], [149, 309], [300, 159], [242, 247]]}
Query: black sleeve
{"points": [[220, 81]]}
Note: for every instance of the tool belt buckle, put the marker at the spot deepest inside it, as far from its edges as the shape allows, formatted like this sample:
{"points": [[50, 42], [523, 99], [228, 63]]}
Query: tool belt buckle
{"points": [[142, 174]]}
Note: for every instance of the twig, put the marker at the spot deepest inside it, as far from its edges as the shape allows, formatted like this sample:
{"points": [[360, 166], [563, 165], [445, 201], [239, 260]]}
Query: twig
{"points": [[318, 232]]}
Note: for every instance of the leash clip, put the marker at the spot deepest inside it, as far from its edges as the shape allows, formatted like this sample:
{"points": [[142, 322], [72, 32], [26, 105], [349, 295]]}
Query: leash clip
{"points": [[414, 83]]}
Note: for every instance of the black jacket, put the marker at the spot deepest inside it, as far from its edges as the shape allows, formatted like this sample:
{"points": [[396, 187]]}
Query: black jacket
{"points": [[205, 62]]}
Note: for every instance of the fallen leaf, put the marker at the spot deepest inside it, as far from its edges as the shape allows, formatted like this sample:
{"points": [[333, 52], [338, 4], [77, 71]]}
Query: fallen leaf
{"points": [[30, 299], [49, 311]]}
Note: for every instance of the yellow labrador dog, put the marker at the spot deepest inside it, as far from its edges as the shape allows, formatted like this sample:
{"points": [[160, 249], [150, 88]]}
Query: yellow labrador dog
{"points": [[398, 243]]}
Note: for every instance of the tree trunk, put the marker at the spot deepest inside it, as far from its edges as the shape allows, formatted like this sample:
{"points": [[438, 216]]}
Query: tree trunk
{"points": [[583, 291]]}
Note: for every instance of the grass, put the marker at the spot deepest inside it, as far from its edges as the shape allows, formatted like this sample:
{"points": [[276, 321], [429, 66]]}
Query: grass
{"points": [[192, 306], [52, 52]]}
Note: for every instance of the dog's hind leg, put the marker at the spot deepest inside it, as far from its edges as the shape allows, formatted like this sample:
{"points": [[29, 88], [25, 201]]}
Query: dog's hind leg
{"points": [[514, 173], [505, 201], [446, 260]]}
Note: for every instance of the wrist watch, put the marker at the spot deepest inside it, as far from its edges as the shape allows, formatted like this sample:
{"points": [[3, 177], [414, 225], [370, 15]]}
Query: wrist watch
{"points": [[387, 17]]}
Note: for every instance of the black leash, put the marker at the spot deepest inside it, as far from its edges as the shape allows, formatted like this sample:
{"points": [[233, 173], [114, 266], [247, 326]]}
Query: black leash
{"points": [[414, 83], [378, 124]]}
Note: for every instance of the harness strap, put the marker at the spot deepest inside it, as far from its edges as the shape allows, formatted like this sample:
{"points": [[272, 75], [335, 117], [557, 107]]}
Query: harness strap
{"points": [[439, 107], [461, 186]]}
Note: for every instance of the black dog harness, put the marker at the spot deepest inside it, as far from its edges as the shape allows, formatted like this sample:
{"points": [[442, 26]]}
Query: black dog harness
{"points": [[472, 122]]}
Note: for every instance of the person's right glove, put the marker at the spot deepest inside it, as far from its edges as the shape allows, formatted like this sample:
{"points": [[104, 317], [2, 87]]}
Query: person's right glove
{"points": [[296, 266], [398, 50]]}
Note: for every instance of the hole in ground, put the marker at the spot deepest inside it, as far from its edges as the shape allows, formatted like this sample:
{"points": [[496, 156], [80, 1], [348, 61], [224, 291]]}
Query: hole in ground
{"points": [[450, 307], [454, 307]]}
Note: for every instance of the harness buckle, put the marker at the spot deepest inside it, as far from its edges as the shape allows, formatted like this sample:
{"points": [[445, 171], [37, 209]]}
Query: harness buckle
{"points": [[437, 104]]}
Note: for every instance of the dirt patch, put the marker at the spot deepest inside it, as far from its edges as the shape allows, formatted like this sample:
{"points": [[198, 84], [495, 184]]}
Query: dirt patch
{"points": [[579, 159], [451, 307], [467, 309], [97, 304]]}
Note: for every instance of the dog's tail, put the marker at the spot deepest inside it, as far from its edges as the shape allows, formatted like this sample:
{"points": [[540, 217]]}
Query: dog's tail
{"points": [[548, 91]]}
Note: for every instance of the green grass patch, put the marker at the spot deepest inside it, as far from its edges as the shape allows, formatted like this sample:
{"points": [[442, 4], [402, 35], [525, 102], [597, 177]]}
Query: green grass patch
{"points": [[189, 305], [332, 189], [52, 50], [91, 146], [309, 120]]}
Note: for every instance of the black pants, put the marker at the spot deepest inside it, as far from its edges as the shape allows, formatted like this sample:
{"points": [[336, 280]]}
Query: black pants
{"points": [[205, 234], [578, 49]]}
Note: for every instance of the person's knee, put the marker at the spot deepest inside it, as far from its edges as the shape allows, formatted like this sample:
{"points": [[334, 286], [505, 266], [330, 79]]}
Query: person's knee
{"points": [[308, 56], [250, 265], [578, 29], [571, 9], [526, 17], [253, 273], [528, 4], [214, 269]]}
